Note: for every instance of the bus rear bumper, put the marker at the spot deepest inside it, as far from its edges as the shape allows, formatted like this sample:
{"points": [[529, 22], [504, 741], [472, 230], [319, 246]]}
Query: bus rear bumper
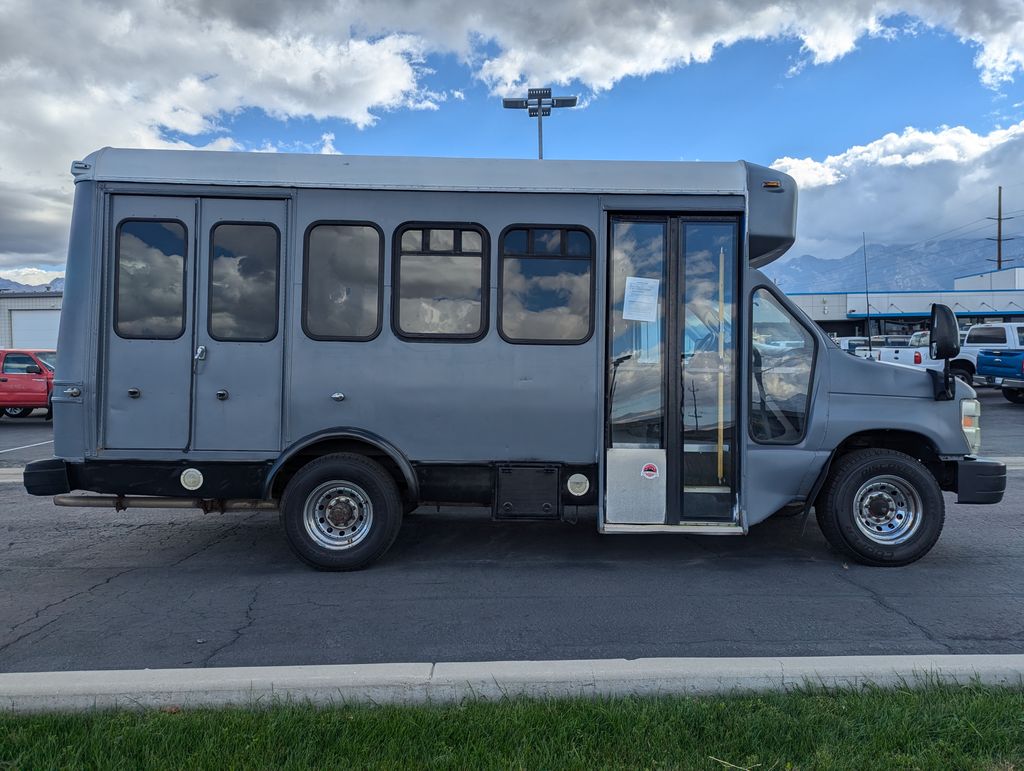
{"points": [[980, 480], [47, 477]]}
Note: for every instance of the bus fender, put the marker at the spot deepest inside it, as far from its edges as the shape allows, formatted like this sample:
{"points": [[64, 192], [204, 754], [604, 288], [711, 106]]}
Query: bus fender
{"points": [[816, 489], [408, 473]]}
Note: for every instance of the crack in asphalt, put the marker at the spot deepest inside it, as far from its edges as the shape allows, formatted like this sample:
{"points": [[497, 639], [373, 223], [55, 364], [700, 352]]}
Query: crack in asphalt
{"points": [[882, 603], [210, 544], [249, 620], [45, 608]]}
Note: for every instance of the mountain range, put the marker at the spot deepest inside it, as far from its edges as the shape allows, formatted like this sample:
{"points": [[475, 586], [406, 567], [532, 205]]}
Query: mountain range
{"points": [[897, 267], [6, 285]]}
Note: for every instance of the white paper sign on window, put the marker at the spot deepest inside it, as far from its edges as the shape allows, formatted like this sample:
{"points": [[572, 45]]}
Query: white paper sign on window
{"points": [[640, 302]]}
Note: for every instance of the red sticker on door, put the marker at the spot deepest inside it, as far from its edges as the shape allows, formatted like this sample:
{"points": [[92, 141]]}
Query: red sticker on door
{"points": [[649, 471]]}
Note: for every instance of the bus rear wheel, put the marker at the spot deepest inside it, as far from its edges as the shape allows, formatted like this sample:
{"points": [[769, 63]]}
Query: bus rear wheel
{"points": [[881, 507], [341, 512]]}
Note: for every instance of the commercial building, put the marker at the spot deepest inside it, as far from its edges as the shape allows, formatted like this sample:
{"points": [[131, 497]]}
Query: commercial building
{"points": [[29, 319], [991, 296]]}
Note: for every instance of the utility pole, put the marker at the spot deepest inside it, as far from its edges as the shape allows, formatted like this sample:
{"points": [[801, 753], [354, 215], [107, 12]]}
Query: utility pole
{"points": [[999, 232], [867, 292]]}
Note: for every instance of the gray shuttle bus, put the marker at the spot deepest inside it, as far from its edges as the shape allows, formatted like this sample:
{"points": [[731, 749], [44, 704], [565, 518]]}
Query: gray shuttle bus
{"points": [[347, 338]]}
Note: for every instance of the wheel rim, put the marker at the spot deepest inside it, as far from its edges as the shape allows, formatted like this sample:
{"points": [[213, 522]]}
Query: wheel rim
{"points": [[887, 510], [338, 515]]}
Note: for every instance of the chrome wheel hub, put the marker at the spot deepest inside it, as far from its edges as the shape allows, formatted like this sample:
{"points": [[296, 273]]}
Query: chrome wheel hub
{"points": [[338, 515], [887, 509]]}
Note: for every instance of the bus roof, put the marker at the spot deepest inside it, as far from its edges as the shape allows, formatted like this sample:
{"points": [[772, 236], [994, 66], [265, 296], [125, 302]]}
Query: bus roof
{"points": [[768, 196], [407, 173]]}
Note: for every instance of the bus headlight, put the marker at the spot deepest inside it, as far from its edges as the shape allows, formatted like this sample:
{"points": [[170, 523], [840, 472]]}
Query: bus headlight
{"points": [[970, 422]]}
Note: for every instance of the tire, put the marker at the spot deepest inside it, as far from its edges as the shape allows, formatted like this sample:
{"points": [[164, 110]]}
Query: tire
{"points": [[905, 522], [959, 373], [18, 412], [361, 497], [1015, 395]]}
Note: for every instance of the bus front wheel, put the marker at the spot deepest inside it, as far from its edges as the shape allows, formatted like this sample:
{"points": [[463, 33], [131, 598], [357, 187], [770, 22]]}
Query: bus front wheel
{"points": [[341, 512], [881, 507]]}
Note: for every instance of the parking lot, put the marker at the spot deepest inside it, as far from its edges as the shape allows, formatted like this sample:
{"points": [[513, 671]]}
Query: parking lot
{"points": [[93, 589]]}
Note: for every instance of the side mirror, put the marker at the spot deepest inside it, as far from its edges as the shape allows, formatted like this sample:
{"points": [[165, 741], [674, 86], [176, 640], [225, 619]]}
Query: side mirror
{"points": [[33, 369], [944, 342]]}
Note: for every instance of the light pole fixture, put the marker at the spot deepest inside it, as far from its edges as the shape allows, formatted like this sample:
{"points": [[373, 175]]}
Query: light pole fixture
{"points": [[538, 103]]}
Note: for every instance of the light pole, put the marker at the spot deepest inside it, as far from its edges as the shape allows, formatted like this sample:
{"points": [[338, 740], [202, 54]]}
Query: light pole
{"points": [[539, 102]]}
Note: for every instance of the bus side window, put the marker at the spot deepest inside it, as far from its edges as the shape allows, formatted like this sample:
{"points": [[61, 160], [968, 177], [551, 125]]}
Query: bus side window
{"points": [[150, 280], [782, 353], [245, 262], [546, 284], [440, 283], [342, 283]]}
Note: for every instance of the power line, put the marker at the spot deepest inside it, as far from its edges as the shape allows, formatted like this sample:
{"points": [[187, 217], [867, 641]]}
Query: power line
{"points": [[984, 220], [910, 247], [953, 230]]}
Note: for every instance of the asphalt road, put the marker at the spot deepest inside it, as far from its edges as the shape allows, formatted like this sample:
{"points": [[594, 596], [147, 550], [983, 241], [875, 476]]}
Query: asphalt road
{"points": [[92, 589], [25, 439]]}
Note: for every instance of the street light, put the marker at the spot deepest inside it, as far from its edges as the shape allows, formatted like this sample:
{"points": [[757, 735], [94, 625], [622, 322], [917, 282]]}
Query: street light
{"points": [[538, 104]]}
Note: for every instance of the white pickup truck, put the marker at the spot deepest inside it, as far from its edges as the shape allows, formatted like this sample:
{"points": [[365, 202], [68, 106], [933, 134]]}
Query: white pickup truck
{"points": [[980, 337]]}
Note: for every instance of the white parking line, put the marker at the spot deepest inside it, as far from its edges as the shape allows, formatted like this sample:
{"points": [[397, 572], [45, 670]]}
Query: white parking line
{"points": [[26, 446]]}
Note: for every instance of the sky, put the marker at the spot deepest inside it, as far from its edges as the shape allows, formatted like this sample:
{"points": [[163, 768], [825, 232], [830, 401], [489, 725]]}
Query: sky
{"points": [[898, 119]]}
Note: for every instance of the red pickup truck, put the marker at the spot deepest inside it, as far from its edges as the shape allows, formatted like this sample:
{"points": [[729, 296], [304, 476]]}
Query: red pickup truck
{"points": [[26, 382]]}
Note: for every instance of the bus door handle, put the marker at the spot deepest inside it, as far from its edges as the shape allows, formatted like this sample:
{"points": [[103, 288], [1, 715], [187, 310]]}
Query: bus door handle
{"points": [[200, 354]]}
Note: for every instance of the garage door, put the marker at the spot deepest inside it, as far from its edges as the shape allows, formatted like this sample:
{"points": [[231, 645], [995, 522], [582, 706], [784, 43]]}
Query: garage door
{"points": [[34, 329]]}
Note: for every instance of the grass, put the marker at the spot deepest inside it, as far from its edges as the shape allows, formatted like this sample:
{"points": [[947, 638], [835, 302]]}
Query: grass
{"points": [[938, 727]]}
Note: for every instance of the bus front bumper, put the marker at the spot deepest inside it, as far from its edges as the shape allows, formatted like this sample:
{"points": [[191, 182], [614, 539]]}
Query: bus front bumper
{"points": [[980, 480]]}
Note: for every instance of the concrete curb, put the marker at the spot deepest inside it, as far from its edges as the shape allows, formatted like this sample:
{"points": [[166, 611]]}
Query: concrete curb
{"points": [[490, 680]]}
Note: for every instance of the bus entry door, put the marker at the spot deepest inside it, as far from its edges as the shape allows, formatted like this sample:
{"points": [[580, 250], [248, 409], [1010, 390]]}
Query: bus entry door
{"points": [[670, 457]]}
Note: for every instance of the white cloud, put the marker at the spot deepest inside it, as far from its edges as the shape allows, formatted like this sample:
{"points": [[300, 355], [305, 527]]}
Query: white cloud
{"points": [[80, 74], [905, 187], [327, 144], [599, 42], [910, 148]]}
